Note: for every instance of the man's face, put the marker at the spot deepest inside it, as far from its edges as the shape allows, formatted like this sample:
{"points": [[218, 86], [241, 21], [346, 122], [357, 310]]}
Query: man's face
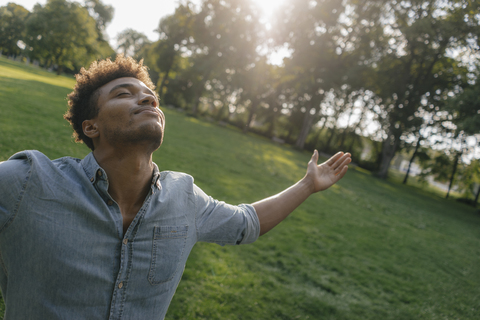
{"points": [[128, 113]]}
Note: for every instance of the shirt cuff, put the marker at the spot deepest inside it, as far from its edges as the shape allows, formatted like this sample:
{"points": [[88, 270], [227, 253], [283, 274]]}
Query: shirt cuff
{"points": [[252, 230]]}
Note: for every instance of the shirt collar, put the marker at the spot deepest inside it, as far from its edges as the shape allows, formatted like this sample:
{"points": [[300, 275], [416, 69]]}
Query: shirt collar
{"points": [[94, 172], [156, 178]]}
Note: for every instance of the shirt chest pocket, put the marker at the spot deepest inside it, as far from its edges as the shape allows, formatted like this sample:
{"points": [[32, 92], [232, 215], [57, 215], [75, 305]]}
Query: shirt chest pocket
{"points": [[168, 247]]}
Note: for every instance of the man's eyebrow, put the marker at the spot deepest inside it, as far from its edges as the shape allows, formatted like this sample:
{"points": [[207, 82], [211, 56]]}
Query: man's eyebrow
{"points": [[129, 85]]}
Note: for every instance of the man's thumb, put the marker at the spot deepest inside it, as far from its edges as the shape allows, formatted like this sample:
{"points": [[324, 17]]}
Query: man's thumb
{"points": [[315, 156]]}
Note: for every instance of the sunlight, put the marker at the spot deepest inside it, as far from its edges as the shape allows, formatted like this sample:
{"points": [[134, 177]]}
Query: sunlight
{"points": [[268, 7]]}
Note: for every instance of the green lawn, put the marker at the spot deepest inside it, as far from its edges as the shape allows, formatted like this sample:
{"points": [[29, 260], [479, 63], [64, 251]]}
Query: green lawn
{"points": [[364, 249]]}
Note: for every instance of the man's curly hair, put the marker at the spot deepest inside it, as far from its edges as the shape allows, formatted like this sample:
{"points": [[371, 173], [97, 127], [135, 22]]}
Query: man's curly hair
{"points": [[83, 99]]}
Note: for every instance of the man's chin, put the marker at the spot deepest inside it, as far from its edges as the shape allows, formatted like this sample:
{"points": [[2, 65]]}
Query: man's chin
{"points": [[148, 136]]}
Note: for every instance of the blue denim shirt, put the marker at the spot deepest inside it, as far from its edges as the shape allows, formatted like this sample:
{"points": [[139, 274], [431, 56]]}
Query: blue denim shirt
{"points": [[63, 254]]}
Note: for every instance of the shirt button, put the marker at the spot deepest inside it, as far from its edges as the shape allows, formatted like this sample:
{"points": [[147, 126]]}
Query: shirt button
{"points": [[125, 241], [99, 173], [120, 285], [91, 179], [109, 202]]}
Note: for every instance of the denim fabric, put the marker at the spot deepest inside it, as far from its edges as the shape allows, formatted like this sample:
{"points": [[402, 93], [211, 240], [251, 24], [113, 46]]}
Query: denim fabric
{"points": [[63, 254]]}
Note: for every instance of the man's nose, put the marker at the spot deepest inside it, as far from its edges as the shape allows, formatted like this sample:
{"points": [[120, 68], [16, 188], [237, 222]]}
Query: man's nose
{"points": [[148, 99]]}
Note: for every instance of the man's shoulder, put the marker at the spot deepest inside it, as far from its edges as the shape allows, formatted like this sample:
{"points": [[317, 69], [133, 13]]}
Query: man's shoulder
{"points": [[25, 161], [19, 163], [175, 176], [16, 170]]}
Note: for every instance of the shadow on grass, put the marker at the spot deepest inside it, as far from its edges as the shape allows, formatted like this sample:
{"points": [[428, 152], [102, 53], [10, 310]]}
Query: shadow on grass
{"points": [[30, 68]]}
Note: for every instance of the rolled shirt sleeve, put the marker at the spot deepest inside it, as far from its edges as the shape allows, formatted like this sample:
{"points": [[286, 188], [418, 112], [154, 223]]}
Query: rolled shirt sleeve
{"points": [[222, 223]]}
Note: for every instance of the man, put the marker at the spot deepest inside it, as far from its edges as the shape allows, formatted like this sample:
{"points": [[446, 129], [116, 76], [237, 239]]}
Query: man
{"points": [[107, 237]]}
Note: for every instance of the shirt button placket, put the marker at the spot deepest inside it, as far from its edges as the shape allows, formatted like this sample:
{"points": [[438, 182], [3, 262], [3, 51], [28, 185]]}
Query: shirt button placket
{"points": [[119, 293]]}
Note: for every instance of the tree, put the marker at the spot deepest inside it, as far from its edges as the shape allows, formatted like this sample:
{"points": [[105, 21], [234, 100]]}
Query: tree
{"points": [[417, 64], [225, 36], [102, 13], [329, 48], [175, 32], [470, 181], [465, 111], [131, 42], [12, 28], [62, 34], [309, 31], [257, 83]]}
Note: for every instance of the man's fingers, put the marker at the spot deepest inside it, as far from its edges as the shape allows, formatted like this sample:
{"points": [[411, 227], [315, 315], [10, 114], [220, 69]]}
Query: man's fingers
{"points": [[339, 159], [334, 158], [340, 175], [343, 161], [342, 165]]}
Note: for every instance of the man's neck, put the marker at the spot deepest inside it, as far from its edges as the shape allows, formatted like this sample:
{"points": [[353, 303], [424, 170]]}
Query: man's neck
{"points": [[129, 175]]}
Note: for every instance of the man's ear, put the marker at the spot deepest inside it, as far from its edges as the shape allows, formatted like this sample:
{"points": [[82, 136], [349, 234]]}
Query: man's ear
{"points": [[90, 128]]}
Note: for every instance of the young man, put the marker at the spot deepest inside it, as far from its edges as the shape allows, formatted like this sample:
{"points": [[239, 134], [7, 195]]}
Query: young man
{"points": [[108, 236]]}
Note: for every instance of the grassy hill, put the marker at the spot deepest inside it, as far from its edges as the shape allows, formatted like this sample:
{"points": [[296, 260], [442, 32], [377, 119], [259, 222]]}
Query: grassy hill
{"points": [[364, 249]]}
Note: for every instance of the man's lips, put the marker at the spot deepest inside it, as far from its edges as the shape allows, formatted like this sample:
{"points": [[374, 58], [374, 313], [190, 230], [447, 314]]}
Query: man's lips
{"points": [[148, 111], [151, 110]]}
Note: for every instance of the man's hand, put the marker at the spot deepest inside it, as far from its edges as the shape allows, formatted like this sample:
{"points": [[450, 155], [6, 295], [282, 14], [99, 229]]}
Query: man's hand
{"points": [[324, 175], [274, 209]]}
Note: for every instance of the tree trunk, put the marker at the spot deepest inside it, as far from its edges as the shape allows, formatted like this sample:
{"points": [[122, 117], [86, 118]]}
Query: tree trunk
{"points": [[251, 113], [317, 137], [412, 158], [329, 141], [162, 84], [197, 96], [389, 149], [196, 101], [305, 130], [344, 133], [198, 93], [271, 124], [354, 131], [455, 164], [354, 139], [476, 197], [289, 134]]}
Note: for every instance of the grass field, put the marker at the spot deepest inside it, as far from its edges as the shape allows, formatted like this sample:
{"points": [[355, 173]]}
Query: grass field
{"points": [[364, 249]]}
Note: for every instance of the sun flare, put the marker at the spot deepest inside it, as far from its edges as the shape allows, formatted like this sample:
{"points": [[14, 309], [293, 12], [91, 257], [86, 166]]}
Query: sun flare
{"points": [[268, 7]]}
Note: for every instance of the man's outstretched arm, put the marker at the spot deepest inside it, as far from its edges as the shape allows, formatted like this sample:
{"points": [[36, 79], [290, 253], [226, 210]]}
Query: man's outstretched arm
{"points": [[271, 211]]}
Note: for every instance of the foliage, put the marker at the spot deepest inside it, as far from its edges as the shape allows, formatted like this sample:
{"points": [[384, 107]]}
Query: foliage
{"points": [[12, 28], [62, 35], [315, 62], [225, 37], [131, 42], [415, 70], [165, 55], [439, 167], [465, 109], [470, 179], [103, 14]]}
